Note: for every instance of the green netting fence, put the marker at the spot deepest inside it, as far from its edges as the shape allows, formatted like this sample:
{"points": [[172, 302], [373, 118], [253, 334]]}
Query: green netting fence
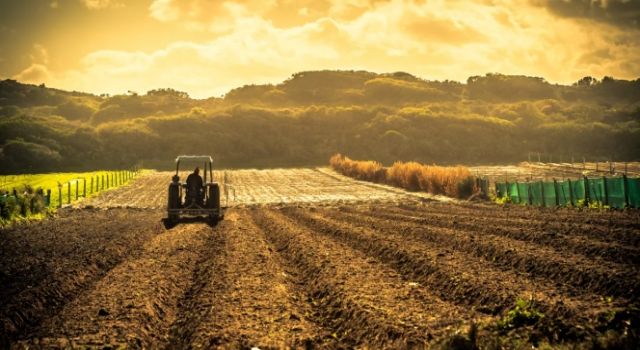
{"points": [[614, 192]]}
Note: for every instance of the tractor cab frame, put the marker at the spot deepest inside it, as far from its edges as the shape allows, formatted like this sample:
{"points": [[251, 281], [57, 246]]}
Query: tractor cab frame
{"points": [[206, 200]]}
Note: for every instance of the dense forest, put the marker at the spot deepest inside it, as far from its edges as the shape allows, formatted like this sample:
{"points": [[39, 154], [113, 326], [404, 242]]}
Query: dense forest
{"points": [[304, 120]]}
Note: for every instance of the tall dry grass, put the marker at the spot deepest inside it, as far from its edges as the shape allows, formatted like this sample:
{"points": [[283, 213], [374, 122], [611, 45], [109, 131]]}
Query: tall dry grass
{"points": [[450, 181]]}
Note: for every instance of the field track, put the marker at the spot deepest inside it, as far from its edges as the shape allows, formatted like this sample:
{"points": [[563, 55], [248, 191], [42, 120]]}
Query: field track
{"points": [[309, 258]]}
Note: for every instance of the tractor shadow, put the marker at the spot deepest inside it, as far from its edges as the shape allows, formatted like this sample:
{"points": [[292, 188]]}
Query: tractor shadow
{"points": [[169, 224]]}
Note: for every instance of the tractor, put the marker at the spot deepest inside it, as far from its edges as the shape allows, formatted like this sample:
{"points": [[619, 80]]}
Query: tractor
{"points": [[194, 199]]}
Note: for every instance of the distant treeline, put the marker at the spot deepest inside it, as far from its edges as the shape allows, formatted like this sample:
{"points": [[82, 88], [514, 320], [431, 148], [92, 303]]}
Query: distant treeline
{"points": [[307, 118]]}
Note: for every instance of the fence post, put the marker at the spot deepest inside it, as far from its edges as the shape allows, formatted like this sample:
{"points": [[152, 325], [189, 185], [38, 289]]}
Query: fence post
{"points": [[60, 195], [507, 190], [84, 187], [626, 190], [102, 176], [586, 191], [570, 192], [69, 192], [91, 187], [518, 192], [555, 190], [544, 202], [606, 192]]}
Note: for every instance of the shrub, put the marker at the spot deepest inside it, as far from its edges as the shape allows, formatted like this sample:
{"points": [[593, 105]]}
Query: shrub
{"points": [[21, 205], [524, 313], [451, 181]]}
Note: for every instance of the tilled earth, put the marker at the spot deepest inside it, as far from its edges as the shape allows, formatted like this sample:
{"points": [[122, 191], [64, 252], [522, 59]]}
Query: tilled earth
{"points": [[322, 262]]}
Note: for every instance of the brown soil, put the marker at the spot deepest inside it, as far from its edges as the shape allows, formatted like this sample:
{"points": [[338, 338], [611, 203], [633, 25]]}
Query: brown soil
{"points": [[309, 259]]}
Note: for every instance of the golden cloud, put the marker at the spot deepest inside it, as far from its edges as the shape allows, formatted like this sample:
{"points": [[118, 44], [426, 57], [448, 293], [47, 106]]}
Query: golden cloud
{"points": [[34, 74], [101, 4], [433, 39]]}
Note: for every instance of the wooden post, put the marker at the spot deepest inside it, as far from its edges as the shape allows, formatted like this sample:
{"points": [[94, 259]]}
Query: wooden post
{"points": [[555, 189], [508, 192], [626, 190], [606, 192], [518, 192], [570, 192], [544, 202], [84, 187], [69, 192], [102, 181], [60, 195], [77, 187], [91, 187], [586, 191]]}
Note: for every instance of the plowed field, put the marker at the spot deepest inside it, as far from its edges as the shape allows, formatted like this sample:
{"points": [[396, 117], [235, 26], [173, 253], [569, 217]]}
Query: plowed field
{"points": [[306, 258]]}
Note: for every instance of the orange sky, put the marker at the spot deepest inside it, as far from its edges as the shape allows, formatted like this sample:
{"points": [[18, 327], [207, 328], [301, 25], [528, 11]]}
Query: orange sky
{"points": [[206, 47]]}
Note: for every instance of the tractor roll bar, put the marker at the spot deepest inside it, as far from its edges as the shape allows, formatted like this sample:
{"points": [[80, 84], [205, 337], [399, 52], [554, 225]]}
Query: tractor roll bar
{"points": [[206, 159]]}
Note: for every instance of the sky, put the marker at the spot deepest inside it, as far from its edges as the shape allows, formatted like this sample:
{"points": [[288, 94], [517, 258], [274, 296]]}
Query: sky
{"points": [[207, 47]]}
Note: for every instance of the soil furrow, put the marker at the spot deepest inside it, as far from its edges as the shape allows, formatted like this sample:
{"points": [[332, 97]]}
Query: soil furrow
{"points": [[579, 274], [365, 303], [47, 264], [136, 302], [620, 229], [549, 238], [456, 278], [242, 298]]}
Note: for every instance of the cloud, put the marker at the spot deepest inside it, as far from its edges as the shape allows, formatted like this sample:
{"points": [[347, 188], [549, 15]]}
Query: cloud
{"points": [[101, 4], [219, 16], [39, 55], [251, 42], [622, 13], [35, 74]]}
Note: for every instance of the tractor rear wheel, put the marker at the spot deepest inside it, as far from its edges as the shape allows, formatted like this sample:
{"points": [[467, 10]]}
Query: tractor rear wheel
{"points": [[213, 201], [174, 201]]}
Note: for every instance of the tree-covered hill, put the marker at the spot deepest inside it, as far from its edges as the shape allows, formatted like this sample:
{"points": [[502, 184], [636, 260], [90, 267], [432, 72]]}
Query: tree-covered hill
{"points": [[302, 121]]}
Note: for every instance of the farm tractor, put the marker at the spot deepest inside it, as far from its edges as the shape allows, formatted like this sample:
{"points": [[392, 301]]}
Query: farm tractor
{"points": [[194, 199]]}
